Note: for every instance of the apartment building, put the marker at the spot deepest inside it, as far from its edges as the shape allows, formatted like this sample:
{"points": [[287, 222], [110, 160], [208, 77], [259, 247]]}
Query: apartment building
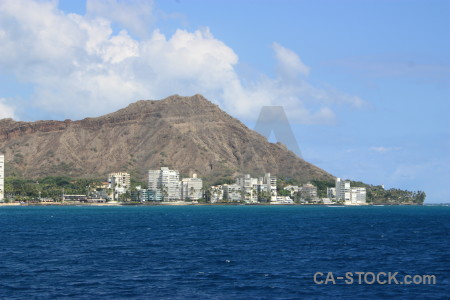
{"points": [[167, 181], [191, 188]]}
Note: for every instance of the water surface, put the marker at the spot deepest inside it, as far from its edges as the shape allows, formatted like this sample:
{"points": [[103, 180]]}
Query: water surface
{"points": [[219, 252]]}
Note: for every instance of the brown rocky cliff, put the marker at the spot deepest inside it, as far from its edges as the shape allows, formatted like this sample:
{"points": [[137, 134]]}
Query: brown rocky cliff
{"points": [[190, 134]]}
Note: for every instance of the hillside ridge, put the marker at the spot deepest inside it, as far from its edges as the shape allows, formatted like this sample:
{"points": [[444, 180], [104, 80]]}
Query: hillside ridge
{"points": [[190, 134]]}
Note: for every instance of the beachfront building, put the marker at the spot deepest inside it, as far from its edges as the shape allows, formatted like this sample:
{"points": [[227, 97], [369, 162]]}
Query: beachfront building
{"points": [[249, 188], [192, 188], [268, 184], [2, 177], [232, 192], [281, 200], [331, 193], [343, 192], [167, 181], [216, 193], [358, 196], [348, 195], [308, 191], [145, 195], [252, 189], [293, 189], [120, 182]]}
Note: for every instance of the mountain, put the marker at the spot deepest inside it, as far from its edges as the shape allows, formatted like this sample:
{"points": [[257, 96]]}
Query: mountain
{"points": [[190, 134]]}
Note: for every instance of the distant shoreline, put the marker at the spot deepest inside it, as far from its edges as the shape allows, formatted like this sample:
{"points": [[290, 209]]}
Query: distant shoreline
{"points": [[180, 203]]}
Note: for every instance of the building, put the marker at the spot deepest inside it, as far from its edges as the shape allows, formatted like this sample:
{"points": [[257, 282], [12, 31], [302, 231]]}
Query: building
{"points": [[232, 192], [249, 188], [167, 181], [308, 191], [191, 188], [343, 192], [254, 188], [348, 195], [154, 195], [216, 192], [2, 177], [119, 182], [75, 198], [293, 189], [331, 193], [145, 195], [358, 196], [269, 184], [281, 200]]}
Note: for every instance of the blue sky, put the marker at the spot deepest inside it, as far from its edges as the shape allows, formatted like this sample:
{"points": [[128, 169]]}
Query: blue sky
{"points": [[365, 84]]}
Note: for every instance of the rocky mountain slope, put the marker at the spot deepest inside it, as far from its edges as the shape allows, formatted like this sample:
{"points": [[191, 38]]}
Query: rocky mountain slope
{"points": [[186, 133]]}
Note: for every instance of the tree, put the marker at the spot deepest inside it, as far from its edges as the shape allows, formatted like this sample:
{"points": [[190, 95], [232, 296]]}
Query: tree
{"points": [[284, 192]]}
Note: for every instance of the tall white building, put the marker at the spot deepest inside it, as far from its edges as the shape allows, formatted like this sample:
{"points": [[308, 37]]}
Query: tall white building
{"points": [[268, 184], [119, 181], [249, 187], [167, 181], [191, 188], [2, 177], [349, 195], [343, 192]]}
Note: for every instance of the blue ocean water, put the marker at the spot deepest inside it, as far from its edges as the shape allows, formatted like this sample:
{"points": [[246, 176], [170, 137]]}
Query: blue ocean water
{"points": [[219, 252]]}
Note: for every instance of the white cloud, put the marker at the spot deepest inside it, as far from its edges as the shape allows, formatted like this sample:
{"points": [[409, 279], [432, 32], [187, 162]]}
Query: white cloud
{"points": [[135, 15], [289, 63], [79, 66], [6, 111], [381, 149]]}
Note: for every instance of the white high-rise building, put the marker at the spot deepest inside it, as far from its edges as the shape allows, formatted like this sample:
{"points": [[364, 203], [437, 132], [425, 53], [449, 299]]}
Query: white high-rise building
{"points": [[349, 195], [2, 177], [191, 188], [248, 187], [343, 192], [120, 182], [167, 181], [271, 183], [252, 187]]}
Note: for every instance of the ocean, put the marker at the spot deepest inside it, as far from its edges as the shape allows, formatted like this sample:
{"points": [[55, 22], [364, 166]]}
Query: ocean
{"points": [[223, 252]]}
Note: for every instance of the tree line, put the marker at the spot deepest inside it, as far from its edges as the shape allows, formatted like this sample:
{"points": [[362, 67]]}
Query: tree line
{"points": [[52, 187]]}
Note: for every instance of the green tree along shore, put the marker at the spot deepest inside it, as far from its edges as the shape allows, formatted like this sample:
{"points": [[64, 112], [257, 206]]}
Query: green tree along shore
{"points": [[53, 187], [376, 194], [48, 187]]}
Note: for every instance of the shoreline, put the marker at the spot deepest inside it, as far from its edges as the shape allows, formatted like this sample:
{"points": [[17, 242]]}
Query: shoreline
{"points": [[182, 203]]}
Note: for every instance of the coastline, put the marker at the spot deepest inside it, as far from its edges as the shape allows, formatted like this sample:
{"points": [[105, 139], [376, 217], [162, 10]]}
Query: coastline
{"points": [[183, 203]]}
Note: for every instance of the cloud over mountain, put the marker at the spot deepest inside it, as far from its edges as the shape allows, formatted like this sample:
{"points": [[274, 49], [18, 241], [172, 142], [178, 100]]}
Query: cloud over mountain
{"points": [[89, 65]]}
